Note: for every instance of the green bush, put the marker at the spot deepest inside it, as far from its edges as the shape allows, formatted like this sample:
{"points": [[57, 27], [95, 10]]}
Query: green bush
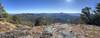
{"points": [[41, 21], [15, 19]]}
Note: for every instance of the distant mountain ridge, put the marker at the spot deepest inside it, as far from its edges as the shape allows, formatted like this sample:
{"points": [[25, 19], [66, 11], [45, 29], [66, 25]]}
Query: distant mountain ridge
{"points": [[55, 17]]}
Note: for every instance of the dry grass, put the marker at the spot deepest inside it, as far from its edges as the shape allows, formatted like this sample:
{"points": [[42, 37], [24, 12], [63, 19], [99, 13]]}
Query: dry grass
{"points": [[87, 31], [5, 26]]}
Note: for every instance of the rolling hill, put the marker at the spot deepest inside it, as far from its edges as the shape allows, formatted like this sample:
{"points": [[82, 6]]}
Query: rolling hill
{"points": [[52, 17]]}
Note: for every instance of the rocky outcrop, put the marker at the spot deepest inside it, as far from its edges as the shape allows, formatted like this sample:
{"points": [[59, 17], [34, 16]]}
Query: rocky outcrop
{"points": [[55, 31]]}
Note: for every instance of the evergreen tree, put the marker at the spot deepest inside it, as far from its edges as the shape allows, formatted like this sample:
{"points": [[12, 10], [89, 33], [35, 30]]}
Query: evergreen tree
{"points": [[37, 22], [98, 8], [97, 15], [41, 21], [86, 15], [90, 18]]}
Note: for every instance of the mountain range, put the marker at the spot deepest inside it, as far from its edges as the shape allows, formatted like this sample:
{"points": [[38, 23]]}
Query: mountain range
{"points": [[53, 17]]}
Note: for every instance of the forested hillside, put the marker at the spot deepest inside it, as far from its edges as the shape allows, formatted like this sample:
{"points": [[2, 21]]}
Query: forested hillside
{"points": [[52, 17]]}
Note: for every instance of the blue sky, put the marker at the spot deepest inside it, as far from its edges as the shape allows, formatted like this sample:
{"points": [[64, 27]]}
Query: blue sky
{"points": [[46, 6]]}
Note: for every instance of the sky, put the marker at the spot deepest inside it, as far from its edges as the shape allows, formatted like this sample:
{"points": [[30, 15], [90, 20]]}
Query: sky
{"points": [[47, 6]]}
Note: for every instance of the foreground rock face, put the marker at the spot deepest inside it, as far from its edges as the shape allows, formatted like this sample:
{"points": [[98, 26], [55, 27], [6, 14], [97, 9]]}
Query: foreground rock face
{"points": [[5, 26], [15, 34], [55, 31]]}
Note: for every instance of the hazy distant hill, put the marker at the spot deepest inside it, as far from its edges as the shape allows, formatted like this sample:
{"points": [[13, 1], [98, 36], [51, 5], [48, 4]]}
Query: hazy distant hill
{"points": [[54, 17]]}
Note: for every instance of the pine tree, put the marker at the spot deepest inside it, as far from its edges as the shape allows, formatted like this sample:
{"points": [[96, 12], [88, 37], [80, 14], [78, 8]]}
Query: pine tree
{"points": [[98, 8], [90, 18], [38, 21], [86, 15], [41, 21], [97, 15]]}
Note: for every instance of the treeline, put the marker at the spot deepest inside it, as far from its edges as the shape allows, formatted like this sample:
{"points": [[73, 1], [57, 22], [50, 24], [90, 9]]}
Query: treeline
{"points": [[89, 16]]}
